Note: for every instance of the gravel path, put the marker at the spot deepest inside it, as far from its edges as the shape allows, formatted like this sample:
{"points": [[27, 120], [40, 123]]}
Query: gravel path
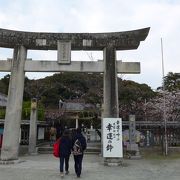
{"points": [[46, 167]]}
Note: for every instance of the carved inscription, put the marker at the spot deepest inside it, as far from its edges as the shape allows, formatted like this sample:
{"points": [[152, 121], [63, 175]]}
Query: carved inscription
{"points": [[64, 52], [87, 43], [132, 129], [40, 42]]}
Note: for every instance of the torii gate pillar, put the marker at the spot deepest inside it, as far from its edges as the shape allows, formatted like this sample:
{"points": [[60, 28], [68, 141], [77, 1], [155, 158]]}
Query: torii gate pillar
{"points": [[11, 135], [111, 107]]}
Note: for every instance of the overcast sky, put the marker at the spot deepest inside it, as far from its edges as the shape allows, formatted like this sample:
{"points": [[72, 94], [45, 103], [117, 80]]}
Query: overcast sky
{"points": [[162, 16]]}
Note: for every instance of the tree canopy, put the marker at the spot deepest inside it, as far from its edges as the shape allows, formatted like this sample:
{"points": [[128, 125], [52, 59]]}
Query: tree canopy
{"points": [[83, 87]]}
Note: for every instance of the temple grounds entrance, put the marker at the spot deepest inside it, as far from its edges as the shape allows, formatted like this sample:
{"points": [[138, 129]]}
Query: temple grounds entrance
{"points": [[21, 42]]}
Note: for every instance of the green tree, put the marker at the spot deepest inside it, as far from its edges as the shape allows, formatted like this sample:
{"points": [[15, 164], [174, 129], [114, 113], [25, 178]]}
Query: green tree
{"points": [[2, 113], [132, 95], [4, 84], [172, 82], [26, 111]]}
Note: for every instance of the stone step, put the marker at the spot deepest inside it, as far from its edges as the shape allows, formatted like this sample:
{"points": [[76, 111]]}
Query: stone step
{"points": [[49, 150]]}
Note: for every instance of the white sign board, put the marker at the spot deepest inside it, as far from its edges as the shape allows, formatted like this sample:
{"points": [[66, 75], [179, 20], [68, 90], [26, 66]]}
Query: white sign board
{"points": [[64, 52], [40, 133], [112, 137]]}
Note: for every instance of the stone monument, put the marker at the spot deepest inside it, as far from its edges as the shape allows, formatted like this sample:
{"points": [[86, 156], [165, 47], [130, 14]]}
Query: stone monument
{"points": [[132, 146]]}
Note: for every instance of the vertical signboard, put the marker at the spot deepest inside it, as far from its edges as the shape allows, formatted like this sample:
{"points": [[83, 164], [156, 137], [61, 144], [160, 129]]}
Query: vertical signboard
{"points": [[40, 133], [64, 52], [112, 137]]}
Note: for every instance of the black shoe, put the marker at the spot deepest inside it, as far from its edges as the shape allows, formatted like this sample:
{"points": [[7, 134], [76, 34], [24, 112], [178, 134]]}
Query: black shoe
{"points": [[78, 176], [67, 172]]}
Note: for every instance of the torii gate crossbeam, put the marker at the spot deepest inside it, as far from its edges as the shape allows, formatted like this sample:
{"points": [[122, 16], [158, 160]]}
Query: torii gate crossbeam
{"points": [[75, 66]]}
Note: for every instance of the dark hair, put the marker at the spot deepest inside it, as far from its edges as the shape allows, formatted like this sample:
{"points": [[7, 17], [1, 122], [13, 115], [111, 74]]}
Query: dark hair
{"points": [[78, 130], [66, 133]]}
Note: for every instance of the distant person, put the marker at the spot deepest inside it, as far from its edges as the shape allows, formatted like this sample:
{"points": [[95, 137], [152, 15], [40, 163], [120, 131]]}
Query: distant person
{"points": [[52, 133], [65, 151], [88, 136], [58, 132], [79, 145]]}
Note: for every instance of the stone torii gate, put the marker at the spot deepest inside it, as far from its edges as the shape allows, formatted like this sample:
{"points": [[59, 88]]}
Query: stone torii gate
{"points": [[63, 42]]}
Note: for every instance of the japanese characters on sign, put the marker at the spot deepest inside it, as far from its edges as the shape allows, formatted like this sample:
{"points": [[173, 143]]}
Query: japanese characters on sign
{"points": [[112, 137], [64, 52]]}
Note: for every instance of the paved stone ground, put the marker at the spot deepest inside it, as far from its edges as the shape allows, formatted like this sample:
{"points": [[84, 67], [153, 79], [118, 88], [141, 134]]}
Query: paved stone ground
{"points": [[46, 167]]}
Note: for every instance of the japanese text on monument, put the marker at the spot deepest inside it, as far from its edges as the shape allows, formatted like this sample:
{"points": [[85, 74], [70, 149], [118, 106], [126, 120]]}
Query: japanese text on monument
{"points": [[112, 137]]}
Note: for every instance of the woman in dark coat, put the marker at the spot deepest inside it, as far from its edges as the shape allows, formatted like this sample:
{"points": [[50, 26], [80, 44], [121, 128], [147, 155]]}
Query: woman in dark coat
{"points": [[78, 157], [64, 152]]}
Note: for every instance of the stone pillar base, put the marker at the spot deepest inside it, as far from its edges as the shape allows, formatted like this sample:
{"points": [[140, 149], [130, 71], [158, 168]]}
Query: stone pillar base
{"points": [[113, 161], [33, 152], [133, 151], [135, 157]]}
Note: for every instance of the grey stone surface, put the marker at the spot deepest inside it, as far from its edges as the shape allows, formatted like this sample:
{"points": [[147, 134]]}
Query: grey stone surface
{"points": [[46, 167], [132, 146], [110, 90], [33, 127], [64, 52], [10, 145], [110, 86], [75, 66], [132, 129], [79, 41]]}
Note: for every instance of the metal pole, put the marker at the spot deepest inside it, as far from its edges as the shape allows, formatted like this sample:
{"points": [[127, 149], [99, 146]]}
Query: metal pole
{"points": [[164, 103]]}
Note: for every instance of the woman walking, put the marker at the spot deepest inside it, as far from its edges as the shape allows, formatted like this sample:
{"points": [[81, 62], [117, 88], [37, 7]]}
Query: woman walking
{"points": [[79, 145], [64, 152]]}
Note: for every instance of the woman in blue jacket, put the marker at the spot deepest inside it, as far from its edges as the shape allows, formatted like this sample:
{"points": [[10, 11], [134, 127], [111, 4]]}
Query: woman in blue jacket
{"points": [[64, 152]]}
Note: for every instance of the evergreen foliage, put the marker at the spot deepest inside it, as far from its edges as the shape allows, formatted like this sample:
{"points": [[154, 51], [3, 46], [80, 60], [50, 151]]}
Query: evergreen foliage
{"points": [[81, 87]]}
